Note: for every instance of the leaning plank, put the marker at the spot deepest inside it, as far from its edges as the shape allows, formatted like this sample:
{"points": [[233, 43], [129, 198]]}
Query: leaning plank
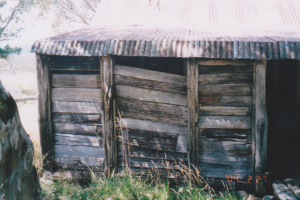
{"points": [[151, 95], [153, 126], [150, 84], [225, 90], [225, 101], [225, 69], [149, 75], [76, 80], [77, 140], [153, 111], [75, 63], [230, 122], [80, 151], [226, 62], [76, 94], [80, 129], [225, 78], [282, 192], [294, 185], [76, 118], [224, 110], [76, 107], [79, 162]]}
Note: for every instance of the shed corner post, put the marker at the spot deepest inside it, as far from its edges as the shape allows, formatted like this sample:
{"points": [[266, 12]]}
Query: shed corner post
{"points": [[45, 111], [192, 93], [260, 127], [108, 115]]}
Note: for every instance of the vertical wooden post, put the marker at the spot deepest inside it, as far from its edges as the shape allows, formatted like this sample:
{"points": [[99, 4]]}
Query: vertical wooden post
{"points": [[192, 91], [108, 126], [44, 105], [261, 125]]}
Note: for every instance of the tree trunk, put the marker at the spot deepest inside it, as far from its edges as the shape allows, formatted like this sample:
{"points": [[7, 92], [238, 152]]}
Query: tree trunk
{"points": [[18, 177]]}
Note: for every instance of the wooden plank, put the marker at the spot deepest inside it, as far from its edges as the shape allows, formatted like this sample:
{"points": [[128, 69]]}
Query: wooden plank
{"points": [[149, 75], [107, 105], [151, 163], [76, 80], [45, 107], [225, 90], [214, 151], [153, 111], [151, 95], [77, 140], [80, 129], [150, 84], [225, 69], [225, 78], [153, 126], [75, 63], [226, 101], [224, 122], [76, 94], [282, 192], [261, 122], [76, 118], [224, 110], [226, 62], [79, 163], [192, 83], [225, 134], [293, 185], [71, 175], [79, 151], [76, 107]]}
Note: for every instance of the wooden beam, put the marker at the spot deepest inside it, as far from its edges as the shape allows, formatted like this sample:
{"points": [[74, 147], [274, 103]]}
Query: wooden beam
{"points": [[192, 84], [44, 104], [261, 123], [107, 96]]}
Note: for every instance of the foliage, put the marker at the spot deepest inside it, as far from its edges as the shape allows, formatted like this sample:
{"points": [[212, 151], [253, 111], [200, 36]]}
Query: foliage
{"points": [[7, 50]]}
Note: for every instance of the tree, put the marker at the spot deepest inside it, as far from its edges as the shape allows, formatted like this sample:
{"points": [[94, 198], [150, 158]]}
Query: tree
{"points": [[9, 17]]}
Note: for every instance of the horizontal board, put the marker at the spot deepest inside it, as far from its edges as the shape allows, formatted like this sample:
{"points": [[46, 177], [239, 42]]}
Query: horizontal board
{"points": [[79, 162], [225, 101], [80, 129], [149, 75], [153, 111], [71, 175], [79, 151], [223, 152], [151, 95], [76, 118], [156, 143], [230, 122], [76, 94], [153, 172], [219, 69], [153, 126], [149, 163], [217, 170], [226, 62], [142, 152], [150, 84], [76, 107], [225, 134], [76, 80], [74, 63], [224, 110], [225, 90], [226, 78], [78, 140]]}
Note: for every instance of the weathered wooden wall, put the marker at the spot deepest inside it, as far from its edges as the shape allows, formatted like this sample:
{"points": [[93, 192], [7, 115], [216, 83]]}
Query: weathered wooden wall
{"points": [[154, 115], [225, 119], [76, 118]]}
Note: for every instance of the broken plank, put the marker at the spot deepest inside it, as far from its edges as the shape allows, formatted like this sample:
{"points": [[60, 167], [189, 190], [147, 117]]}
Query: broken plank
{"points": [[76, 80], [76, 94], [294, 185], [76, 107], [224, 110], [225, 122], [282, 192]]}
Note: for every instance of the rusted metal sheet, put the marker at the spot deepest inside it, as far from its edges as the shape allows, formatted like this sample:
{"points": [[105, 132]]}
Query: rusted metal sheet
{"points": [[226, 29]]}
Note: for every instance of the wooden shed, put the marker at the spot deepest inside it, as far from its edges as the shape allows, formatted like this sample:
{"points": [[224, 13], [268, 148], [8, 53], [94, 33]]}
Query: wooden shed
{"points": [[187, 78]]}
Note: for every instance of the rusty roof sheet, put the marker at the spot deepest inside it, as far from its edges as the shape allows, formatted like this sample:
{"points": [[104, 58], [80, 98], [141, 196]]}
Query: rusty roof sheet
{"points": [[227, 29]]}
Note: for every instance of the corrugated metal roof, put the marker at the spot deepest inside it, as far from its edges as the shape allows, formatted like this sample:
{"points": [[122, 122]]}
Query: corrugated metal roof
{"points": [[227, 29]]}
